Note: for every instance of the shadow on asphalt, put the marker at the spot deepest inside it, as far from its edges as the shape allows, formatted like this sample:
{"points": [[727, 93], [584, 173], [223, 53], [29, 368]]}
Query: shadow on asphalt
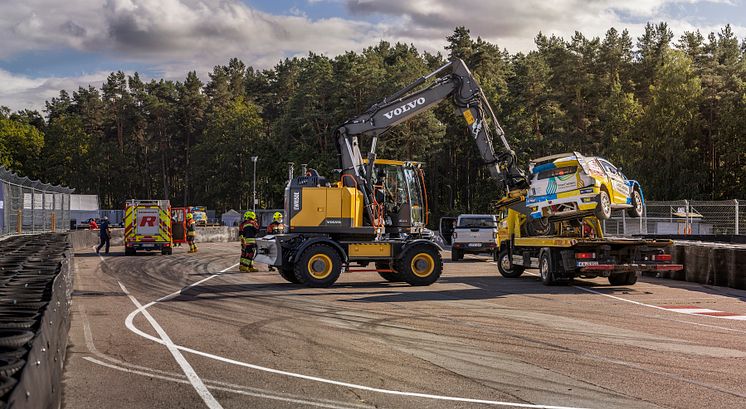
{"points": [[480, 288]]}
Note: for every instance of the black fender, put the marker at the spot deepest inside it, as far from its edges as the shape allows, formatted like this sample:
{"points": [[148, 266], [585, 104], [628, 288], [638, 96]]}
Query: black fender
{"points": [[412, 243], [318, 240]]}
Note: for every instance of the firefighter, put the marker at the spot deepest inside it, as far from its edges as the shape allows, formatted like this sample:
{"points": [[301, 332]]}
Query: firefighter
{"points": [[276, 227], [247, 231], [191, 233]]}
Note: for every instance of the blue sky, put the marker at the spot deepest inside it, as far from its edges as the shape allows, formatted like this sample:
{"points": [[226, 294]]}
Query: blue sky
{"points": [[49, 44]]}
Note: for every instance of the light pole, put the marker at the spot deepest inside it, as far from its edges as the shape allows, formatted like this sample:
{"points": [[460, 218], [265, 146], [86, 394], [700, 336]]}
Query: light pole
{"points": [[253, 159]]}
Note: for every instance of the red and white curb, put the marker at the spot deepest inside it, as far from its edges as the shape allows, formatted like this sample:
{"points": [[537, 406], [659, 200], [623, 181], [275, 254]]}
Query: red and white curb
{"points": [[692, 310]]}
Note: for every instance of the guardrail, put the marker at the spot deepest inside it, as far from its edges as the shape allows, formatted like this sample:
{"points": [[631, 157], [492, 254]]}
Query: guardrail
{"points": [[682, 217]]}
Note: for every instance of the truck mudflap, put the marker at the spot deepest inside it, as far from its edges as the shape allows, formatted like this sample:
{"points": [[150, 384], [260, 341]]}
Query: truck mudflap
{"points": [[268, 251], [631, 267]]}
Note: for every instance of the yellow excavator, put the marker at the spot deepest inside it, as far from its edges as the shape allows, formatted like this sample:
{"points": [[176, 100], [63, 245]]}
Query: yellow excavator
{"points": [[376, 211]]}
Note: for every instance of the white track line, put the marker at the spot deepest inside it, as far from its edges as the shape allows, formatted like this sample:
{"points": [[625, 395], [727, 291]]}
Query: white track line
{"points": [[660, 308], [224, 386], [219, 388], [194, 379], [191, 375], [130, 325]]}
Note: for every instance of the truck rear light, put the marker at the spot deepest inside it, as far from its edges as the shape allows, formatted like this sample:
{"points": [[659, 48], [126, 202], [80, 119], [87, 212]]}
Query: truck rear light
{"points": [[585, 255], [662, 257]]}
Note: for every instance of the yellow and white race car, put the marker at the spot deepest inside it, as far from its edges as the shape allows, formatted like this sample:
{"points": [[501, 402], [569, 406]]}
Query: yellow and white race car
{"points": [[571, 184]]}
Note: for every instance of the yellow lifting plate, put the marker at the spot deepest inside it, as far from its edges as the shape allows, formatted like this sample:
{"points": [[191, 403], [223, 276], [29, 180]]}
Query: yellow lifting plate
{"points": [[369, 250], [545, 241]]}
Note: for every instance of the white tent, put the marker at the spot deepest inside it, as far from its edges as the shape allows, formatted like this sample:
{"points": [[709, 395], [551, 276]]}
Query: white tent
{"points": [[231, 218]]}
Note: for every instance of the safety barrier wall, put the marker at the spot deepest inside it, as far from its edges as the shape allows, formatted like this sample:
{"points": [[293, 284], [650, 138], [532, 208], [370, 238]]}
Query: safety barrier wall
{"points": [[30, 206], [710, 263], [81, 239]]}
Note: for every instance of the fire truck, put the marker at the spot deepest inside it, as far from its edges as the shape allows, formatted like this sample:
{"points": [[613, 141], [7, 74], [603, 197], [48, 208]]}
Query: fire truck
{"points": [[147, 226]]}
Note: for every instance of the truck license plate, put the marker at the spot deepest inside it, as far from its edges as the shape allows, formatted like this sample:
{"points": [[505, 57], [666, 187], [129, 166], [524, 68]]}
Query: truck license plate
{"points": [[475, 244], [149, 245], [587, 263]]}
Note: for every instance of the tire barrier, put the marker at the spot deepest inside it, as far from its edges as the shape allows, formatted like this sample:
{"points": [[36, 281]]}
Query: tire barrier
{"points": [[710, 263], [35, 297]]}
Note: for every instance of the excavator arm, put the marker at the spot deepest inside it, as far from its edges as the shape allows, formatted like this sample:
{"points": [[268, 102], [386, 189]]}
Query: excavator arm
{"points": [[454, 81]]}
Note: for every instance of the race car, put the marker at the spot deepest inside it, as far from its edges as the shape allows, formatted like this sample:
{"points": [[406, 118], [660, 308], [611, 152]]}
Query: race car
{"points": [[571, 184]]}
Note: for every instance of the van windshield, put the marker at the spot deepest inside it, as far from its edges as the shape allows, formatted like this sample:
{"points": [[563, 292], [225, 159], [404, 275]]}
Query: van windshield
{"points": [[487, 222]]}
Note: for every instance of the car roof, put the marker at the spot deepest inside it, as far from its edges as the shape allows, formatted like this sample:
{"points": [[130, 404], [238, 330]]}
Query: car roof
{"points": [[475, 216]]}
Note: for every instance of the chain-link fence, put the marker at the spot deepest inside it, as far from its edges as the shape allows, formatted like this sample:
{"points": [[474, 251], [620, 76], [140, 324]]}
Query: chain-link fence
{"points": [[30, 206], [682, 217]]}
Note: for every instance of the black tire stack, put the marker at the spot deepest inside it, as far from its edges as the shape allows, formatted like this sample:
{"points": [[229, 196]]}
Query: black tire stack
{"points": [[29, 266]]}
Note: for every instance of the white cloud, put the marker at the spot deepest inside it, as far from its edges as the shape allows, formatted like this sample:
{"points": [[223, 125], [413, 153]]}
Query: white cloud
{"points": [[22, 92], [175, 36]]}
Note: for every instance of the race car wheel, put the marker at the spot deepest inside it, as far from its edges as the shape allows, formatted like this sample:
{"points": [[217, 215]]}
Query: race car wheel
{"points": [[318, 266], [506, 267], [636, 210], [540, 227], [603, 206]]}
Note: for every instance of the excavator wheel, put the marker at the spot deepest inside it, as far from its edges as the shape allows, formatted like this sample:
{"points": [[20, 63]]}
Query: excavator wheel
{"points": [[318, 266], [390, 276], [288, 274], [420, 265]]}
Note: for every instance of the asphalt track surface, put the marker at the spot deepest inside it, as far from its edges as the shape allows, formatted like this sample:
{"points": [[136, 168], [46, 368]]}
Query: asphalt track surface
{"points": [[191, 331]]}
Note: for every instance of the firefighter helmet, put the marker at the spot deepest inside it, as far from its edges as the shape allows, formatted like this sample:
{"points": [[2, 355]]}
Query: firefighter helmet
{"points": [[277, 216], [190, 216], [249, 215]]}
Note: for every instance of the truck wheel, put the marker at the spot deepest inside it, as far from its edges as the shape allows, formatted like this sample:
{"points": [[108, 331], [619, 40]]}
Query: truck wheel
{"points": [[546, 267], [318, 266], [166, 251], [619, 278], [420, 265], [456, 254], [505, 265], [631, 278], [603, 205], [129, 251], [393, 277], [288, 274], [636, 210]]}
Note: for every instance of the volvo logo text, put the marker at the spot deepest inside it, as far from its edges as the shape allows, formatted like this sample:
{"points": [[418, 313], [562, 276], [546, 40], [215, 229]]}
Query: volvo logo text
{"points": [[404, 108]]}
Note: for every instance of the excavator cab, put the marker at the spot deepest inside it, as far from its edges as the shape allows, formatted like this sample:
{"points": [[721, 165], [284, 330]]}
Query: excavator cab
{"points": [[315, 205], [400, 196]]}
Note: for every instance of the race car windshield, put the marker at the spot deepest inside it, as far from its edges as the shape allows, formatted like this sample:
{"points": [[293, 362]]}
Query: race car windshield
{"points": [[477, 222]]}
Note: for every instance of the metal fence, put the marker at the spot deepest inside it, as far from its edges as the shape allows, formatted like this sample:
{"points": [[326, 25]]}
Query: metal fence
{"points": [[30, 206], [682, 217]]}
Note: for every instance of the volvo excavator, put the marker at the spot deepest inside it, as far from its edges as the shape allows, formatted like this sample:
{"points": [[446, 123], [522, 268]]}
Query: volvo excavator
{"points": [[377, 209]]}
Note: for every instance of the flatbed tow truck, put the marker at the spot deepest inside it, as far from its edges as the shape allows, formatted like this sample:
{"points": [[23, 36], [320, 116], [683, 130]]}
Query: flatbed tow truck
{"points": [[578, 249]]}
